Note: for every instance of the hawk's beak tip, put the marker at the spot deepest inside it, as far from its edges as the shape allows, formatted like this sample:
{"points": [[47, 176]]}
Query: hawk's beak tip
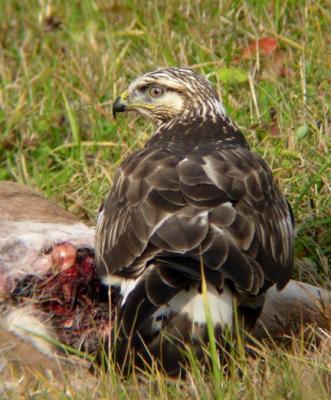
{"points": [[118, 106]]}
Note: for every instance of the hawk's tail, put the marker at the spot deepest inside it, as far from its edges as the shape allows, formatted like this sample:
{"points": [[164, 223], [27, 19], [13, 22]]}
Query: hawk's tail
{"points": [[165, 311]]}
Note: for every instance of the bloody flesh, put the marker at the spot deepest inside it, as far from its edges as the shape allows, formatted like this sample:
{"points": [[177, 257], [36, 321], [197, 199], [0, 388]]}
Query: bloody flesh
{"points": [[77, 303]]}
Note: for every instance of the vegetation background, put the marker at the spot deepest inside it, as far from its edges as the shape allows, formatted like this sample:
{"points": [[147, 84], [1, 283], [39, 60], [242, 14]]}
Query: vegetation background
{"points": [[61, 64]]}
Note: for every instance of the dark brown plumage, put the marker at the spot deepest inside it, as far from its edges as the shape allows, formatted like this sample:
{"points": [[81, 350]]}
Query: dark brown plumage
{"points": [[194, 196]]}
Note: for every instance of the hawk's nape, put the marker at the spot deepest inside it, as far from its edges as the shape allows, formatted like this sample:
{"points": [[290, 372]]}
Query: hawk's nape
{"points": [[194, 199]]}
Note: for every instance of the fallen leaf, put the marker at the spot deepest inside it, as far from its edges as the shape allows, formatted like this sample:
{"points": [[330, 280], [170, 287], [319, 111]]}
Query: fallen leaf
{"points": [[264, 46], [232, 75]]}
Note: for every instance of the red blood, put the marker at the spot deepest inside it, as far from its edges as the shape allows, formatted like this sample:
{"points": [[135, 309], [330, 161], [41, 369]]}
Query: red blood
{"points": [[88, 267], [70, 272], [68, 323], [58, 309]]}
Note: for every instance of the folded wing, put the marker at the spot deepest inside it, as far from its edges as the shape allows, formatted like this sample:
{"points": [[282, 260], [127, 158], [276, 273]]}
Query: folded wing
{"points": [[220, 207]]}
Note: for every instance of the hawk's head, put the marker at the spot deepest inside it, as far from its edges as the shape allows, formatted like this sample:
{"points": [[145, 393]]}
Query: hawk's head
{"points": [[171, 93]]}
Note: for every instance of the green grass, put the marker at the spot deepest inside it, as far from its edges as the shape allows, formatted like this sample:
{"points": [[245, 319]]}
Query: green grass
{"points": [[62, 64]]}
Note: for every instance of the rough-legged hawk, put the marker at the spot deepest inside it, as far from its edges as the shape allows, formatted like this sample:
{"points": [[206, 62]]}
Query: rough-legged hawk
{"points": [[194, 202]]}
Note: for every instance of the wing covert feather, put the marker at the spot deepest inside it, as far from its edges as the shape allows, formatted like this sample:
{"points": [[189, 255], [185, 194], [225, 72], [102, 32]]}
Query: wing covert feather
{"points": [[221, 205]]}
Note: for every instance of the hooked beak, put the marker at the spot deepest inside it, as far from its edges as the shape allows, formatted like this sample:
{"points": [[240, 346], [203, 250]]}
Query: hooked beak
{"points": [[120, 104]]}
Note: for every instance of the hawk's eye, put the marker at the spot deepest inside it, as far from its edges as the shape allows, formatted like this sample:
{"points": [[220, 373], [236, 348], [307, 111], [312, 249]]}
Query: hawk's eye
{"points": [[156, 91]]}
